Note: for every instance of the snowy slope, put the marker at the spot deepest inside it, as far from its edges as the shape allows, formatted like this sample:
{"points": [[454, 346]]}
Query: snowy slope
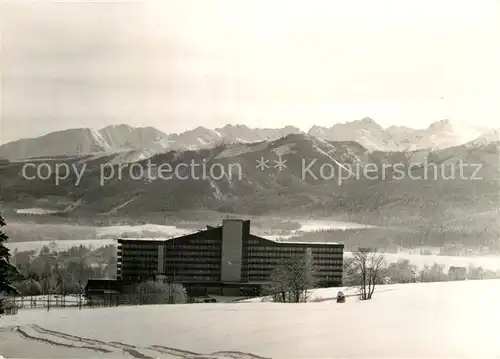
{"points": [[439, 135], [445, 134], [487, 138], [69, 143], [202, 137], [451, 319], [125, 137], [365, 131]]}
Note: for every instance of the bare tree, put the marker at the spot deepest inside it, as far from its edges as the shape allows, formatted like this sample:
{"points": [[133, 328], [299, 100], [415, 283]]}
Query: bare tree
{"points": [[291, 279], [424, 273], [367, 269], [348, 278]]}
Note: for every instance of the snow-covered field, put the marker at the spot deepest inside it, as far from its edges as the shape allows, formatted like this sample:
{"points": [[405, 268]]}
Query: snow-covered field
{"points": [[36, 211], [487, 262], [319, 225], [141, 231], [431, 320], [98, 236]]}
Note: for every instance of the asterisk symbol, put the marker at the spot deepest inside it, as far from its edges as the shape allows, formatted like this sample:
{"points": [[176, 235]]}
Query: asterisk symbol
{"points": [[280, 164], [262, 164]]}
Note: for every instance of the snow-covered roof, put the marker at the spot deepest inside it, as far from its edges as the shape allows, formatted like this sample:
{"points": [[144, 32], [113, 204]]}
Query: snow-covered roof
{"points": [[291, 241], [146, 239]]}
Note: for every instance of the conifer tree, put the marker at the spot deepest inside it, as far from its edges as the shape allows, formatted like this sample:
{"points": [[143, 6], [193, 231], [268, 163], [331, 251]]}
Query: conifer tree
{"points": [[8, 272]]}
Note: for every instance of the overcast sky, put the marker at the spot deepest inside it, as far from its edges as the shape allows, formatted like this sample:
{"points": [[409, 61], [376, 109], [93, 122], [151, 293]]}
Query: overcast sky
{"points": [[179, 64]]}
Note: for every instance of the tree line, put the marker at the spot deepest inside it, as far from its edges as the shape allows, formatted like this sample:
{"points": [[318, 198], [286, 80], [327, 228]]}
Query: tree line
{"points": [[63, 272], [52, 271], [294, 277]]}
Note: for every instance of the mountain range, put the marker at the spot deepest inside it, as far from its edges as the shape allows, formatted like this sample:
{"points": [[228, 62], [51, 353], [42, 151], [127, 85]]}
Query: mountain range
{"points": [[136, 143], [435, 202], [141, 142]]}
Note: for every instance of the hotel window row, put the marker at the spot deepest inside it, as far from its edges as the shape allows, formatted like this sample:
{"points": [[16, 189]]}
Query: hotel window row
{"points": [[327, 261], [276, 249], [193, 253], [195, 265], [194, 247]]}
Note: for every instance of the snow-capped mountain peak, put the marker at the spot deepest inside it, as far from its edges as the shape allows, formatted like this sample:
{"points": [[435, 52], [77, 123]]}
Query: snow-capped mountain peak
{"points": [[148, 140], [446, 133], [485, 139]]}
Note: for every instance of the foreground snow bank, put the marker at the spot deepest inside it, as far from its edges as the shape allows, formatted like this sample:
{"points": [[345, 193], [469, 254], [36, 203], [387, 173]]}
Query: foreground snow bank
{"points": [[451, 319]]}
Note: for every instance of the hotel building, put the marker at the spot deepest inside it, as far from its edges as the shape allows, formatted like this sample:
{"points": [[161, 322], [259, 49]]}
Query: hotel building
{"points": [[223, 260]]}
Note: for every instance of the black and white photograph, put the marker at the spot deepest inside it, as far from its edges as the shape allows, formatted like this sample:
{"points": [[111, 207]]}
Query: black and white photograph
{"points": [[249, 179]]}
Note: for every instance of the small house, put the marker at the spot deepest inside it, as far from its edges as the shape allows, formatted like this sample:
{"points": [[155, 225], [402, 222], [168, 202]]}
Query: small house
{"points": [[457, 273], [103, 292]]}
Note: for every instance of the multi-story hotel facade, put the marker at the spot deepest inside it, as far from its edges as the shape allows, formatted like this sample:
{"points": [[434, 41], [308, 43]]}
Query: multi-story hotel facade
{"points": [[224, 260]]}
